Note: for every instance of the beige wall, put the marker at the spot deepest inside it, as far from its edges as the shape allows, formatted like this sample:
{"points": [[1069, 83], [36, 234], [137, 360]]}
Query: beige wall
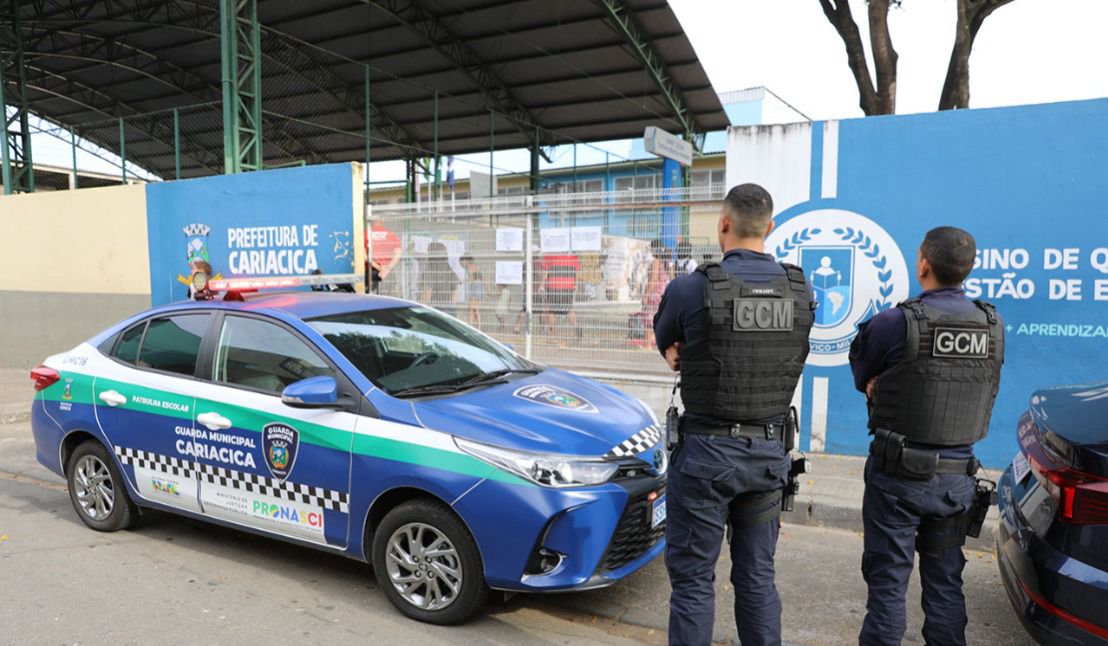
{"points": [[91, 241], [73, 263]]}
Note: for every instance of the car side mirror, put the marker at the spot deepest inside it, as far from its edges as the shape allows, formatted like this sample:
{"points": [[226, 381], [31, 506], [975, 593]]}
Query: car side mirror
{"points": [[313, 392]]}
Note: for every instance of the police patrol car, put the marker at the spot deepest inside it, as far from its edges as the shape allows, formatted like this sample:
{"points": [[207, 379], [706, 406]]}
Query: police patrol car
{"points": [[368, 426]]}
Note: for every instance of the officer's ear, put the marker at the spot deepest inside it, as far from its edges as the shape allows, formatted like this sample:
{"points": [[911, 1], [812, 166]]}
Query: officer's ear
{"points": [[923, 267], [769, 228], [724, 223]]}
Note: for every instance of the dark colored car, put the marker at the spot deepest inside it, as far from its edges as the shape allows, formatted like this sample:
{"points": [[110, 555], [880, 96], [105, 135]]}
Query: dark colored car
{"points": [[1052, 544]]}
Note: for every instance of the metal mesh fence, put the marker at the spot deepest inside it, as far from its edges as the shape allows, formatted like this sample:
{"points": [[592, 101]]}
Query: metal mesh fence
{"points": [[569, 280]]}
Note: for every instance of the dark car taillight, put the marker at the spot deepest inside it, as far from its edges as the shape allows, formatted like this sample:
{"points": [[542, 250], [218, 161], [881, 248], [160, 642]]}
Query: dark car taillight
{"points": [[44, 377], [1082, 497]]}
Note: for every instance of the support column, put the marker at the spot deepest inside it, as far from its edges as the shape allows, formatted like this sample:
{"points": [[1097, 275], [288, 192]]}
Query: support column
{"points": [[73, 150], [368, 131], [176, 144], [438, 176], [240, 40], [122, 150], [535, 164], [492, 147], [16, 163]]}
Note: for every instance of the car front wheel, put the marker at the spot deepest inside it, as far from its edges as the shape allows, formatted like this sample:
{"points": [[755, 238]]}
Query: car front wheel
{"points": [[427, 563], [96, 489]]}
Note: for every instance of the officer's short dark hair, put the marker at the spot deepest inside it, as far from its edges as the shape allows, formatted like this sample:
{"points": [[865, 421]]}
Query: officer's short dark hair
{"points": [[750, 208], [951, 252]]}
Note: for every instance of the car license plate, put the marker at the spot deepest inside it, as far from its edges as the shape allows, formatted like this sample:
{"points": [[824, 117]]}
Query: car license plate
{"points": [[1020, 467], [658, 512]]}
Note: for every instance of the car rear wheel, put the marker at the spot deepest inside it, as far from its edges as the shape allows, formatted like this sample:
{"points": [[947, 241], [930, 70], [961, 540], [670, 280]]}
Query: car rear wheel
{"points": [[96, 489], [427, 563]]}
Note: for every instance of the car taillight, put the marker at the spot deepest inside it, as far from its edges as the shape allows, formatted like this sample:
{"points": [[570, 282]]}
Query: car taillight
{"points": [[1082, 497], [44, 377]]}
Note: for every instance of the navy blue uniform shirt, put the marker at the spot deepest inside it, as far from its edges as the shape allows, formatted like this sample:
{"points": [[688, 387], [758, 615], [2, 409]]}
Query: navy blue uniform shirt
{"points": [[880, 341], [682, 316]]}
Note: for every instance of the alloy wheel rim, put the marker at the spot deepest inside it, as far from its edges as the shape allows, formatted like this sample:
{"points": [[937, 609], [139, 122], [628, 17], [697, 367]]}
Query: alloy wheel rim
{"points": [[423, 566], [94, 488]]}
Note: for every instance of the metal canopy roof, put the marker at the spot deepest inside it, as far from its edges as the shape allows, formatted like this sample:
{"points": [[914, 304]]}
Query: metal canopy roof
{"points": [[584, 70]]}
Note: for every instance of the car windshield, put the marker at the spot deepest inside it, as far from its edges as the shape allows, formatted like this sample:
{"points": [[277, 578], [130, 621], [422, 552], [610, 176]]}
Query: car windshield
{"points": [[413, 350]]}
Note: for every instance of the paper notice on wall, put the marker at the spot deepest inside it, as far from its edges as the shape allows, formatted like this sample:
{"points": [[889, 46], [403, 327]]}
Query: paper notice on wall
{"points": [[587, 238], [509, 239], [555, 240], [509, 272]]}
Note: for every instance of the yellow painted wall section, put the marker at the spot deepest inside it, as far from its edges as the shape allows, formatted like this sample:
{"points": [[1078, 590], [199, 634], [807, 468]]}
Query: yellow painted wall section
{"points": [[91, 240]]}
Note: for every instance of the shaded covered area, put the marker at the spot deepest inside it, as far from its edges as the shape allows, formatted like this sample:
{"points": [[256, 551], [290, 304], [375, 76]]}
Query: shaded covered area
{"points": [[146, 77]]}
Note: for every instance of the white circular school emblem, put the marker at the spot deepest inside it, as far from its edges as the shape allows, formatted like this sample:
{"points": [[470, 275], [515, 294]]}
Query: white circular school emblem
{"points": [[855, 268]]}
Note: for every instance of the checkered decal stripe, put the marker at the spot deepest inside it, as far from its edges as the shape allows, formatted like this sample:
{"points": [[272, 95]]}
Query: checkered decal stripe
{"points": [[294, 492], [637, 443], [156, 462]]}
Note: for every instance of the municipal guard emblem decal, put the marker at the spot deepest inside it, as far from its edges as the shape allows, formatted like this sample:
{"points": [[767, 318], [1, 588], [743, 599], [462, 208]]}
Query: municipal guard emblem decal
{"points": [[280, 443], [556, 397], [855, 268]]}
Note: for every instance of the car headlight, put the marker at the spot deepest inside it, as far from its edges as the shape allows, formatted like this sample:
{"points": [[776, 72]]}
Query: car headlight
{"points": [[541, 468]]}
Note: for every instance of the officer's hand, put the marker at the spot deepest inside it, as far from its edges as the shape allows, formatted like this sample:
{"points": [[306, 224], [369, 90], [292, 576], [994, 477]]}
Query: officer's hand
{"points": [[673, 357], [870, 385]]}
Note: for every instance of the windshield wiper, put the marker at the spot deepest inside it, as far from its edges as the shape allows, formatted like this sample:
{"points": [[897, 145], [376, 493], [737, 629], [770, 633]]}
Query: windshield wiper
{"points": [[480, 379], [434, 389], [497, 376]]}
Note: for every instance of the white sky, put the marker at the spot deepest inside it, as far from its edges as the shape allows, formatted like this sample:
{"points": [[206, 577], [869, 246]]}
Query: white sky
{"points": [[1029, 51]]}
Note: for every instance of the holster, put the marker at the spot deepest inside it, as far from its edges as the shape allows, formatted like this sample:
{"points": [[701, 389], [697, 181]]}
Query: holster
{"points": [[891, 456], [799, 465], [936, 535]]}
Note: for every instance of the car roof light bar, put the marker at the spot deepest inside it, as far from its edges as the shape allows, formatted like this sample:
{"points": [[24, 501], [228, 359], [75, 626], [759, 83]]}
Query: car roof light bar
{"points": [[254, 283]]}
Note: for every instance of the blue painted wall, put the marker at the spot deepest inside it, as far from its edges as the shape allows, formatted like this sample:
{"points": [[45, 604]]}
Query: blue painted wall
{"points": [[1028, 183], [222, 218]]}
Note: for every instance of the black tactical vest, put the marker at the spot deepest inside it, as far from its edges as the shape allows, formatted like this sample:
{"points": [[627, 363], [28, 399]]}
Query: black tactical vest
{"points": [[942, 391], [756, 348]]}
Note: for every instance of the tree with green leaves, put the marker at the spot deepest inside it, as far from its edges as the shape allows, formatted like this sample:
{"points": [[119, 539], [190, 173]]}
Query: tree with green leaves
{"points": [[880, 97]]}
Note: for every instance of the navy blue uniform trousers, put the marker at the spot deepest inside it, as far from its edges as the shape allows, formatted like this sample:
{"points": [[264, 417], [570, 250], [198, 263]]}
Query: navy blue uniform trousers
{"points": [[892, 510], [710, 480]]}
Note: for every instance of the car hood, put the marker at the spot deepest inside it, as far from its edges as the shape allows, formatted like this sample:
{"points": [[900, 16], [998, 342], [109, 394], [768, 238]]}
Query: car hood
{"points": [[1077, 415], [551, 412]]}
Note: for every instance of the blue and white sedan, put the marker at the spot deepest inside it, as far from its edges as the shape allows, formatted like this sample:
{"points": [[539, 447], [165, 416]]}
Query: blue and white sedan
{"points": [[372, 427]]}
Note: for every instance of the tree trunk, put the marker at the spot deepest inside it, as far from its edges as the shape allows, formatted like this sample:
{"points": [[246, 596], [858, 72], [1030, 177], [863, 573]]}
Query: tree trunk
{"points": [[971, 15], [884, 56], [838, 14]]}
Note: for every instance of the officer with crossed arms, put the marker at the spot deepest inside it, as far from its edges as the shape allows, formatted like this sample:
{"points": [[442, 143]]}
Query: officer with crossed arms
{"points": [[930, 369], [737, 332]]}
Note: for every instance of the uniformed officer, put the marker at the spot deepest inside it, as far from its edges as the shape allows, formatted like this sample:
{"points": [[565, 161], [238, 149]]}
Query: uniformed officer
{"points": [[930, 368], [738, 333]]}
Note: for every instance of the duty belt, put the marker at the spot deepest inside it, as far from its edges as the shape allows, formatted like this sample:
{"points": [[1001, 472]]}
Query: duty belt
{"points": [[758, 431], [891, 455]]}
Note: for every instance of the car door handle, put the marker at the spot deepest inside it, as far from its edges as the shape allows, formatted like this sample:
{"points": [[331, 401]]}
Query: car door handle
{"points": [[112, 398], [214, 421]]}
